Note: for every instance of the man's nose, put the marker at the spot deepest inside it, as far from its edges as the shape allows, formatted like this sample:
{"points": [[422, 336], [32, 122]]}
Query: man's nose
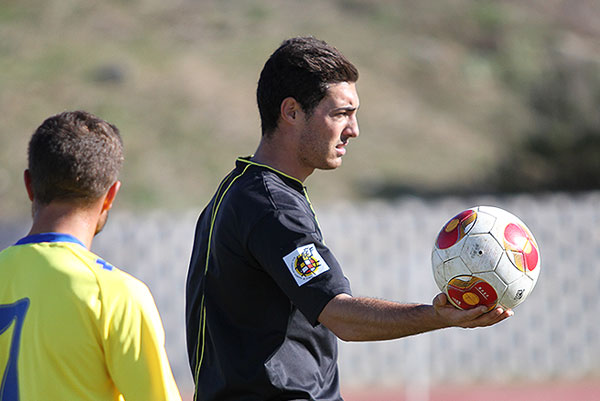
{"points": [[353, 129]]}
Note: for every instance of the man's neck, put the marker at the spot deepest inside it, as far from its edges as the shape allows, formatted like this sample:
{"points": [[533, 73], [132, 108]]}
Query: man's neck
{"points": [[64, 218], [280, 159]]}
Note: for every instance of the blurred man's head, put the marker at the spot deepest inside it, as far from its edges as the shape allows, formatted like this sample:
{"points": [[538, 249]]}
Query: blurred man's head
{"points": [[74, 157]]}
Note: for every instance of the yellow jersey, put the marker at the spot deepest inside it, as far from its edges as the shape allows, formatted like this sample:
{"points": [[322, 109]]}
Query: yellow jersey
{"points": [[73, 327]]}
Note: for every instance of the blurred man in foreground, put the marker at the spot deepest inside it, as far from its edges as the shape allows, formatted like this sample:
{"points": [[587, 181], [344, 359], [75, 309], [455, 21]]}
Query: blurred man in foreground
{"points": [[72, 326]]}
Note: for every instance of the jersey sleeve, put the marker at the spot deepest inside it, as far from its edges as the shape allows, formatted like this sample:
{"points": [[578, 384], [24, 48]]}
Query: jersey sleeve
{"points": [[133, 338], [288, 246]]}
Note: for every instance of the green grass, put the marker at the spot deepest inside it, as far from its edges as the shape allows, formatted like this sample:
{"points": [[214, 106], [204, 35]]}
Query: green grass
{"points": [[444, 86]]}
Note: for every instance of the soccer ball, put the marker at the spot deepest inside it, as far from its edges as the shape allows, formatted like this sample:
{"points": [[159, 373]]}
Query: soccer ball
{"points": [[485, 256]]}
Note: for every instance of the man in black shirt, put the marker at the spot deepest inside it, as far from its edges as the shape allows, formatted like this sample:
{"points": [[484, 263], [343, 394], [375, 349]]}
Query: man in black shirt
{"points": [[266, 299]]}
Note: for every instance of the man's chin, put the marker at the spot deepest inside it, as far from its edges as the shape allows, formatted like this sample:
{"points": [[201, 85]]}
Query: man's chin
{"points": [[337, 162], [330, 166]]}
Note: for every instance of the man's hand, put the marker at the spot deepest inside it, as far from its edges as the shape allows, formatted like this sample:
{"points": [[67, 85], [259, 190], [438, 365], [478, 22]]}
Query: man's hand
{"points": [[476, 317]]}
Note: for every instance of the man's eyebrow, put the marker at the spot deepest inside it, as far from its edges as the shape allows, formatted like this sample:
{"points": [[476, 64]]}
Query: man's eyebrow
{"points": [[346, 108]]}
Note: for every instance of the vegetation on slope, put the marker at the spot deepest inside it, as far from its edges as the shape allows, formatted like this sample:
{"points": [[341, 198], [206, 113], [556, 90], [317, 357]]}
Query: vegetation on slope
{"points": [[456, 97]]}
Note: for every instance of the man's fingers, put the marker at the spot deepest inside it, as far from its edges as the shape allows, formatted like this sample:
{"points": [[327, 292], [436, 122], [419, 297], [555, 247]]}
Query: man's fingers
{"points": [[440, 300], [492, 317]]}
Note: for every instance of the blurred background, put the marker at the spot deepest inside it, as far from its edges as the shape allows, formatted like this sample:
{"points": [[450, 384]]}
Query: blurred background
{"points": [[463, 102]]}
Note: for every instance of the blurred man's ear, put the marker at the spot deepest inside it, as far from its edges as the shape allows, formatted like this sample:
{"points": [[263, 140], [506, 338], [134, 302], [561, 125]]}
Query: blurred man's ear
{"points": [[111, 194], [28, 185]]}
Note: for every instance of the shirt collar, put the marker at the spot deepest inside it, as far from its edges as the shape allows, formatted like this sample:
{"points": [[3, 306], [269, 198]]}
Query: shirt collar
{"points": [[49, 237], [292, 180]]}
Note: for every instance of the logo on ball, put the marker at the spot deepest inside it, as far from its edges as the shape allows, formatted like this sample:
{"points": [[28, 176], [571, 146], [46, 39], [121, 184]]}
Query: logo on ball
{"points": [[521, 247], [456, 229], [467, 292]]}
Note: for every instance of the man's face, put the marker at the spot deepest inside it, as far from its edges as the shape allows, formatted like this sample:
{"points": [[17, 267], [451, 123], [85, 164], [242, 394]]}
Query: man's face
{"points": [[326, 133]]}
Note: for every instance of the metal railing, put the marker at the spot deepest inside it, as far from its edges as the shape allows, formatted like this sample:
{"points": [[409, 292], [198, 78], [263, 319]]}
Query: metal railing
{"points": [[384, 248]]}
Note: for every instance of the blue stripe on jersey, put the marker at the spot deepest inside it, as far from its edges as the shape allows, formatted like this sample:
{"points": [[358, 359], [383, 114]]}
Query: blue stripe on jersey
{"points": [[49, 237], [105, 265]]}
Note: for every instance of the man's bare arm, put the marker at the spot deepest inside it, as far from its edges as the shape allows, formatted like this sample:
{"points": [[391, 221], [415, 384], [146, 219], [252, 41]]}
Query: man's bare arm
{"points": [[370, 319]]}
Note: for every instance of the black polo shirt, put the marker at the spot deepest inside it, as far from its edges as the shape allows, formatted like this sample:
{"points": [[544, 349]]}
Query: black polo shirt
{"points": [[259, 277]]}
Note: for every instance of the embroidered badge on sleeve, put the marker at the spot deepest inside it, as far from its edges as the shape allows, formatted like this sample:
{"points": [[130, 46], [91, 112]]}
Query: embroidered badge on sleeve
{"points": [[305, 263]]}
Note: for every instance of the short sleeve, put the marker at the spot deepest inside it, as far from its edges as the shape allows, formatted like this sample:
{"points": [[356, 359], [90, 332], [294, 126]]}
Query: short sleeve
{"points": [[288, 246], [134, 344]]}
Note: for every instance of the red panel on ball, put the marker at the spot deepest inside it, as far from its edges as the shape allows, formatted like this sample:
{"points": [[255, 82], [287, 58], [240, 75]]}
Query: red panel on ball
{"points": [[467, 293], [456, 229], [518, 240]]}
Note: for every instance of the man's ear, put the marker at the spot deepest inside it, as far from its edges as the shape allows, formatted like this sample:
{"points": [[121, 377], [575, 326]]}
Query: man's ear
{"points": [[111, 195], [290, 110], [28, 184]]}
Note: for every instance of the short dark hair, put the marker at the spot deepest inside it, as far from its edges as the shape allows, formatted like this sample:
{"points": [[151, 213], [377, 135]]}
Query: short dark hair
{"points": [[74, 156], [302, 68]]}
